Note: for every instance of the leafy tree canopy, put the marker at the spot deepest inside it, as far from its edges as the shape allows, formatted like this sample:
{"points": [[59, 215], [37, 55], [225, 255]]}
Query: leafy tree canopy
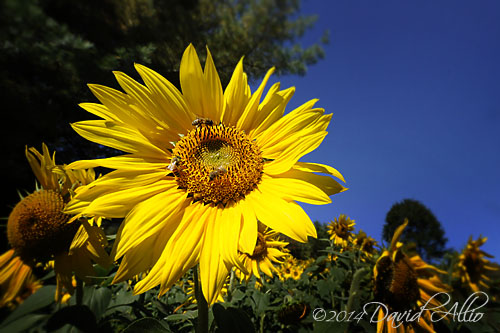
{"points": [[50, 50], [424, 231]]}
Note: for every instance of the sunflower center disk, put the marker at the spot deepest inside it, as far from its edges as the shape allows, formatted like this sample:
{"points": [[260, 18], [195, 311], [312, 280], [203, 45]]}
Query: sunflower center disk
{"points": [[260, 251], [37, 229], [396, 284], [217, 164]]}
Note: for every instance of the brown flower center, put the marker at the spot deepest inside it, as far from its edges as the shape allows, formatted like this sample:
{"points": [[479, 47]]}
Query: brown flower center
{"points": [[216, 164], [396, 283], [260, 251], [37, 228]]}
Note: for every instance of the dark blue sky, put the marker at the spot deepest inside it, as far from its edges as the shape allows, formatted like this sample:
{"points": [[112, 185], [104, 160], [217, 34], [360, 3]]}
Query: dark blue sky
{"points": [[414, 88]]}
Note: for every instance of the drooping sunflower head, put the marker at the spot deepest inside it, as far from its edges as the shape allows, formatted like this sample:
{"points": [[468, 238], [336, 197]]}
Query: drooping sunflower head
{"points": [[37, 227], [366, 244], [404, 283], [269, 250], [340, 230], [39, 230], [473, 267]]}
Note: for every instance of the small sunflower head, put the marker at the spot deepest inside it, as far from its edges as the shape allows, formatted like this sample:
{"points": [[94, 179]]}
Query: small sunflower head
{"points": [[37, 227], [366, 244], [340, 230], [269, 250], [473, 267], [291, 268]]}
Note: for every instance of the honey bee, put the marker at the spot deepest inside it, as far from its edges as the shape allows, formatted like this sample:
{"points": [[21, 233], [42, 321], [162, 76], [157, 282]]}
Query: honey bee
{"points": [[173, 164], [202, 121], [220, 170]]}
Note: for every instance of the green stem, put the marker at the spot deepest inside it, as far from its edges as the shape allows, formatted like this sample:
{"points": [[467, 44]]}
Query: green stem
{"points": [[202, 326], [79, 291], [231, 287], [354, 290]]}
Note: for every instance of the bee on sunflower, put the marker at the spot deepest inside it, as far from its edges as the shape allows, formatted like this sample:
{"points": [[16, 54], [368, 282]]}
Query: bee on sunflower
{"points": [[201, 168]]}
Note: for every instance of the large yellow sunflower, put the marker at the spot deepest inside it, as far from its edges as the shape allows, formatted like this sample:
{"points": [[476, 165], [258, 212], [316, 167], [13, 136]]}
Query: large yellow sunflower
{"points": [[403, 283], [201, 167], [39, 231], [473, 267]]}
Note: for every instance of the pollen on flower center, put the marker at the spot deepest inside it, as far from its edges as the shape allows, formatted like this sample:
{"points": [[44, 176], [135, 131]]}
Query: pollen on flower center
{"points": [[37, 228], [217, 163]]}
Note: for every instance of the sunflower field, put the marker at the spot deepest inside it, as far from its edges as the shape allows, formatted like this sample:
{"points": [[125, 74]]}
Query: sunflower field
{"points": [[197, 226]]}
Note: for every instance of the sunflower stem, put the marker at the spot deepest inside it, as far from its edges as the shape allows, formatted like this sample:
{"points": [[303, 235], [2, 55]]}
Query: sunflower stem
{"points": [[231, 286], [202, 326], [354, 290], [79, 291]]}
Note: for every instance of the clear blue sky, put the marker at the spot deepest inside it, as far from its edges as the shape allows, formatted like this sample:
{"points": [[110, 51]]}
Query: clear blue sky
{"points": [[414, 88]]}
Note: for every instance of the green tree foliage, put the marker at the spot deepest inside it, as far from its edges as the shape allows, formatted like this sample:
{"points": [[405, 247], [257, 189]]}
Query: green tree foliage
{"points": [[424, 232], [50, 50]]}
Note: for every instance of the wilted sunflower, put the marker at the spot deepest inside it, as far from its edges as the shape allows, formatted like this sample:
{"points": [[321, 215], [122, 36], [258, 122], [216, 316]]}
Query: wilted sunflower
{"points": [[268, 250], [405, 283], [38, 229], [473, 267], [340, 230], [202, 166], [365, 244], [17, 280]]}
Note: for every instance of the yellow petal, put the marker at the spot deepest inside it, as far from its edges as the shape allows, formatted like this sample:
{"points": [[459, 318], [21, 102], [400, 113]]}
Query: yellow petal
{"points": [[248, 234], [327, 184], [193, 83], [245, 121], [150, 216], [397, 235], [294, 189], [127, 162], [292, 153], [213, 270], [117, 136], [186, 243], [271, 110], [168, 99], [282, 216], [236, 96], [214, 98]]}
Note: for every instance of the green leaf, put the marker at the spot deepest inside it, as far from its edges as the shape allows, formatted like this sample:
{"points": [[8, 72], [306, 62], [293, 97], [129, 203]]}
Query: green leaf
{"points": [[146, 325], [24, 323], [97, 299], [232, 320], [40, 299], [261, 302]]}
